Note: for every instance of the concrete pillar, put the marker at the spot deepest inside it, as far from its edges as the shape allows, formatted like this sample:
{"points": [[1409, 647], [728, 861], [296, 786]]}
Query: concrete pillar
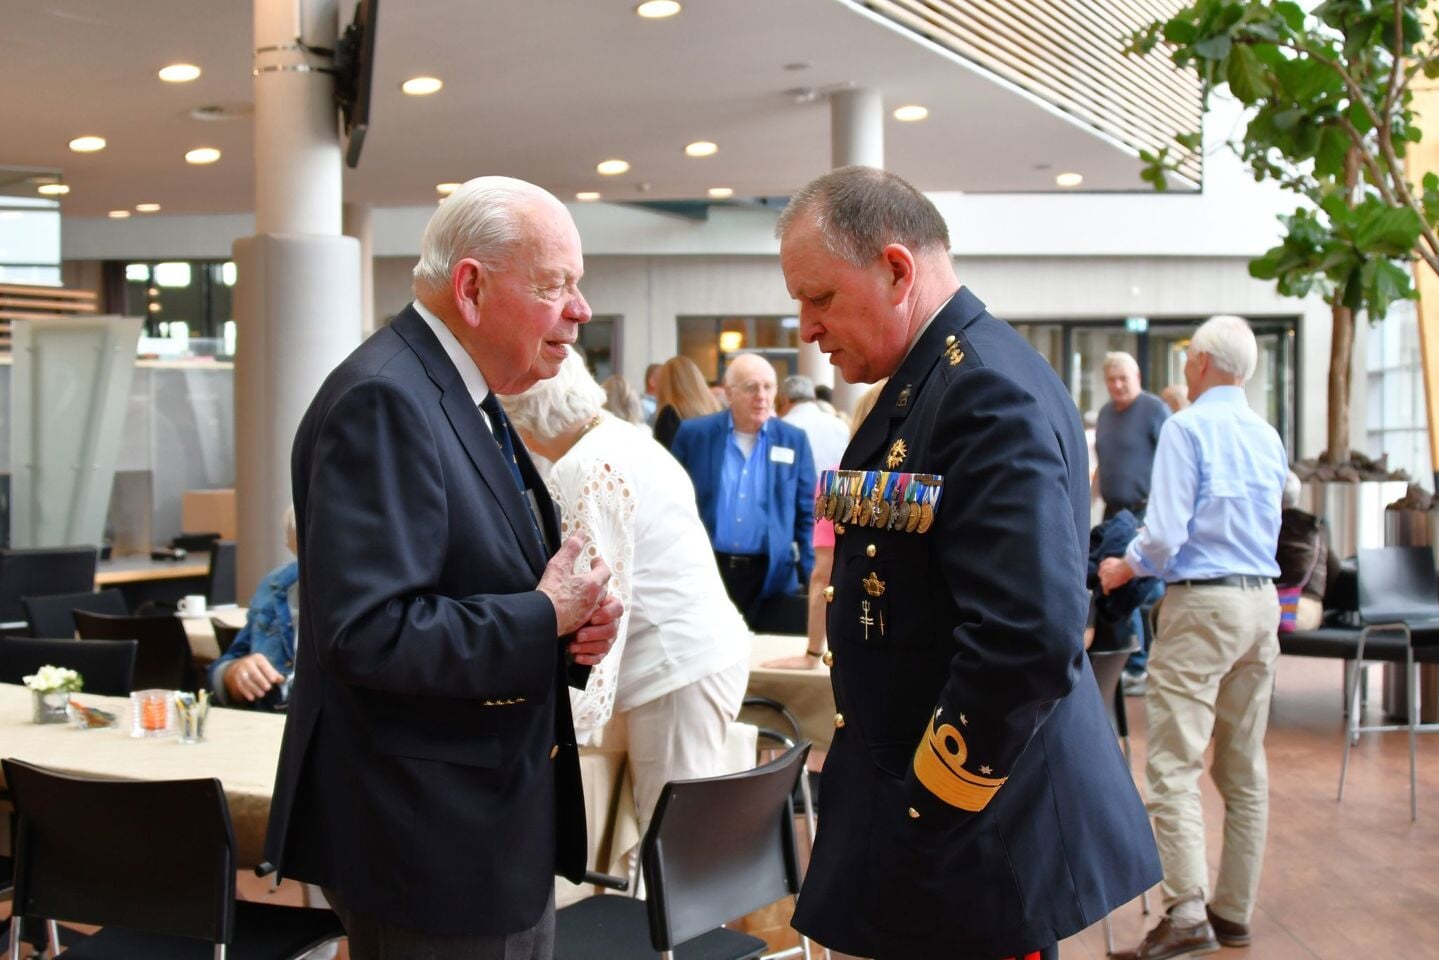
{"points": [[297, 293], [815, 365], [1421, 158], [856, 132], [359, 224]]}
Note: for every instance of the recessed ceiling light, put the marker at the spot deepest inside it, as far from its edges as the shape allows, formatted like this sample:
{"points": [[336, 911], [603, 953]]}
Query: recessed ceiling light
{"points": [[657, 9], [179, 73], [701, 148], [119, 214], [201, 155], [422, 86], [910, 113], [445, 189], [54, 189], [587, 196], [1069, 179], [612, 168], [721, 193], [87, 144], [148, 207]]}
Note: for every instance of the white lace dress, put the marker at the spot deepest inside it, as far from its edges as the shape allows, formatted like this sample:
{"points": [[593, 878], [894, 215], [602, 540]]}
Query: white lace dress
{"points": [[635, 506]]}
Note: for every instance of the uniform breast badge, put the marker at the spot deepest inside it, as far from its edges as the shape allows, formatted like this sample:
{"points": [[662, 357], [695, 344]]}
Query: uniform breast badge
{"points": [[873, 585], [897, 453]]}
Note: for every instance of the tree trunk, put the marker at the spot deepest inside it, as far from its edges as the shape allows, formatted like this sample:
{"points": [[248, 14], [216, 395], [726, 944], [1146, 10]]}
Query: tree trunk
{"points": [[1341, 351]]}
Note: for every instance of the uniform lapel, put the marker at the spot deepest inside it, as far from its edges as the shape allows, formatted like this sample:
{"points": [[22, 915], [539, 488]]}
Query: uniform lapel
{"points": [[902, 391], [469, 425]]}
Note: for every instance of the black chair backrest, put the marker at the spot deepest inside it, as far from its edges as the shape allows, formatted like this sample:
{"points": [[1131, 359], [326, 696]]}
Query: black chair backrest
{"points": [[220, 584], [33, 573], [52, 616], [1398, 583], [152, 856], [225, 634], [106, 668], [720, 848], [195, 542], [164, 662], [1108, 667]]}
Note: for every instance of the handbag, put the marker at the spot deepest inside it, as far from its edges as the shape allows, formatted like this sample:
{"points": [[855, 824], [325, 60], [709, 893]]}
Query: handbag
{"points": [[1289, 596]]}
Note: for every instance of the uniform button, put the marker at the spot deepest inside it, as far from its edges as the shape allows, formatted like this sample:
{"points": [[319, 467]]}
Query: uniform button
{"points": [[828, 658], [839, 528], [554, 751], [829, 594], [870, 551], [838, 720], [913, 814]]}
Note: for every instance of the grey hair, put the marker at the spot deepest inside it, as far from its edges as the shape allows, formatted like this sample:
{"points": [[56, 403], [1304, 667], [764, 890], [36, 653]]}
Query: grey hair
{"points": [[797, 386], [1292, 489], [552, 406], [1119, 358], [861, 210], [1230, 343], [481, 221]]}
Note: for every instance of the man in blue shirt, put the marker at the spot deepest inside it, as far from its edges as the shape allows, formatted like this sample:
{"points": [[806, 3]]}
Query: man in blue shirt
{"points": [[754, 485], [1211, 532]]}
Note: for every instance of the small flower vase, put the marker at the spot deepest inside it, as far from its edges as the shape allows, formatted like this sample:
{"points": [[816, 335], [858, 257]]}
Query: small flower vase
{"points": [[48, 706]]}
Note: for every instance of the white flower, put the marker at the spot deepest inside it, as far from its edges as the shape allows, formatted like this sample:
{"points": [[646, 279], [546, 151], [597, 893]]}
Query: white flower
{"points": [[50, 679]]}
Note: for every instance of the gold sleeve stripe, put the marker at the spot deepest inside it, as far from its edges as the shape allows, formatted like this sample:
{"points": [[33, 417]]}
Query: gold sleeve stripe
{"points": [[956, 786]]}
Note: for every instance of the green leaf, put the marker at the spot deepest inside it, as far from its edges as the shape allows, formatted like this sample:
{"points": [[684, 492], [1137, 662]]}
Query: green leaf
{"points": [[1354, 290], [1190, 141], [1180, 31], [1248, 80], [1292, 14], [1329, 157], [1391, 231], [1216, 47]]}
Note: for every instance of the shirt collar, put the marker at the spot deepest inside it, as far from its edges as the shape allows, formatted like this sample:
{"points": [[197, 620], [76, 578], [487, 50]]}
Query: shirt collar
{"points": [[1224, 393], [464, 363], [923, 327]]}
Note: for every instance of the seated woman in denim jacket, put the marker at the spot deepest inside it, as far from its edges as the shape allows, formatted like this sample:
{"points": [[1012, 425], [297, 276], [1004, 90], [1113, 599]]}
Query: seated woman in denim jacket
{"points": [[256, 670]]}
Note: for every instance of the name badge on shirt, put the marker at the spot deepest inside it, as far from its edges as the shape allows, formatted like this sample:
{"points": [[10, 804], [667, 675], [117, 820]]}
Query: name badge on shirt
{"points": [[782, 454]]}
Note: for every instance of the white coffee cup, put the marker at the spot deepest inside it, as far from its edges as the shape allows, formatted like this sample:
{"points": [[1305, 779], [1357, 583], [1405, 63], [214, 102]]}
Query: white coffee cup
{"points": [[193, 605]]}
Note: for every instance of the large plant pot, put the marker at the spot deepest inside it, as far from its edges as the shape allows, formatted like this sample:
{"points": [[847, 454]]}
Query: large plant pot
{"points": [[1354, 512]]}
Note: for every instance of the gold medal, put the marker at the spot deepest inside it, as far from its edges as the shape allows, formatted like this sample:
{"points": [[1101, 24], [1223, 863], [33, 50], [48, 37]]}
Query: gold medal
{"points": [[881, 514], [866, 512], [926, 517], [830, 506], [819, 502], [844, 507], [912, 521], [901, 516]]}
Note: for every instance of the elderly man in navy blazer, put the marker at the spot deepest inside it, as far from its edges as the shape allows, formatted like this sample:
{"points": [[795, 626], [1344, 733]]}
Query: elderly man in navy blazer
{"points": [[754, 483]]}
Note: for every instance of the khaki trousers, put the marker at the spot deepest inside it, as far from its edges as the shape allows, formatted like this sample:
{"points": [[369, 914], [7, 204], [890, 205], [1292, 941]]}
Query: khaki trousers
{"points": [[1211, 676]]}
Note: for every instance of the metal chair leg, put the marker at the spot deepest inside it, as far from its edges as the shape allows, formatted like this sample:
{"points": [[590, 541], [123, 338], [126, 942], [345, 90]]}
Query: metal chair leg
{"points": [[1351, 725], [1414, 708], [1144, 902], [1108, 937]]}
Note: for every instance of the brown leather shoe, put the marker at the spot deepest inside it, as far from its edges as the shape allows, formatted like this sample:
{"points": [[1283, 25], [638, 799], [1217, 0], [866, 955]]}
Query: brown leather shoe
{"points": [[1228, 932], [1168, 942]]}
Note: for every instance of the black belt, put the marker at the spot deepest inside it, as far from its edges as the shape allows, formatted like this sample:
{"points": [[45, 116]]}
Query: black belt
{"points": [[1233, 580], [737, 560]]}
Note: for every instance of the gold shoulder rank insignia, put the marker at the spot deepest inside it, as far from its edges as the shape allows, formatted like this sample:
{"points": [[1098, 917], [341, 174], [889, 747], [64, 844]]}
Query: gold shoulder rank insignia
{"points": [[897, 453], [953, 354]]}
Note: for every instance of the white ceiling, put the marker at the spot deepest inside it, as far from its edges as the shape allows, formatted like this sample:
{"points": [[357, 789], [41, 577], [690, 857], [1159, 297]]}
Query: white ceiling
{"points": [[539, 89]]}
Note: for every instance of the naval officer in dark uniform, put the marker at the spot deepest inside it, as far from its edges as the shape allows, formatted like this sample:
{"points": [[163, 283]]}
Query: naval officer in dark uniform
{"points": [[977, 806]]}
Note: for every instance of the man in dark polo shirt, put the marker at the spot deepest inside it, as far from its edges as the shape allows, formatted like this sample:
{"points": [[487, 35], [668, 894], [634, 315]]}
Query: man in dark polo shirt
{"points": [[1124, 442]]}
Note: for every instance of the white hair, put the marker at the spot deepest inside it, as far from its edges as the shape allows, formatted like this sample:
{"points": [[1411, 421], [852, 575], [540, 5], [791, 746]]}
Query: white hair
{"points": [[552, 406], [1230, 343], [1118, 358], [480, 221]]}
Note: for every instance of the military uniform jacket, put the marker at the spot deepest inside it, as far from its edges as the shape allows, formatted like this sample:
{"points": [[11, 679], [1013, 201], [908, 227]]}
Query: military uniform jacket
{"points": [[428, 771], [976, 803]]}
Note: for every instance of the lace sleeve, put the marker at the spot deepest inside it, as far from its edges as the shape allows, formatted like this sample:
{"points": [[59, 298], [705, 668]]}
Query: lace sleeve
{"points": [[597, 502]]}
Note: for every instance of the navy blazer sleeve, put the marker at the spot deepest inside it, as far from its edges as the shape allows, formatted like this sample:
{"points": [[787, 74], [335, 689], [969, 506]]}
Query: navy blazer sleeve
{"points": [[373, 551], [1014, 570]]}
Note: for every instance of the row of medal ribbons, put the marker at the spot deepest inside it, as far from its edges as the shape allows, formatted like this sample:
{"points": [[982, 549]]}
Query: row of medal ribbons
{"points": [[880, 499]]}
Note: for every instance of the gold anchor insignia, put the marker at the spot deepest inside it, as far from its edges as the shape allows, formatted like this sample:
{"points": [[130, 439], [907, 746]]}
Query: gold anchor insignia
{"points": [[873, 585], [903, 400], [954, 354], [897, 453]]}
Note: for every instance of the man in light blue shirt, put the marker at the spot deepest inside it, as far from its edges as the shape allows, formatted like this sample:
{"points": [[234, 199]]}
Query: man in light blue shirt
{"points": [[1211, 533]]}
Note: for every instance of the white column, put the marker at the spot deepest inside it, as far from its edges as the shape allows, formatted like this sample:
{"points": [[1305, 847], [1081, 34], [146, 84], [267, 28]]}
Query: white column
{"points": [[297, 296], [359, 224], [814, 364], [856, 132]]}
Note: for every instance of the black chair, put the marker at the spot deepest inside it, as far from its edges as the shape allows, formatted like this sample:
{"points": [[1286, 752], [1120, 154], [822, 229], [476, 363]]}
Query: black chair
{"points": [[1398, 595], [717, 849], [33, 573], [164, 661], [195, 542], [108, 669], [225, 634], [52, 616], [220, 583], [806, 792], [152, 862]]}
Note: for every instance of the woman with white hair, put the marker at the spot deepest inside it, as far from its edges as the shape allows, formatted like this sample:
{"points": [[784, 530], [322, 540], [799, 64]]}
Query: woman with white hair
{"points": [[680, 663]]}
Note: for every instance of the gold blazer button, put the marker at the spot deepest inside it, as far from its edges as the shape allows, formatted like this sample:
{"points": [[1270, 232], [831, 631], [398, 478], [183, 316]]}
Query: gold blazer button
{"points": [[828, 658], [829, 594], [870, 551], [838, 720], [554, 751]]}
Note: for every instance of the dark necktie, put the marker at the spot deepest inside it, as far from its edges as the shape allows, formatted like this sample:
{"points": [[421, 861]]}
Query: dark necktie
{"points": [[500, 427]]}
